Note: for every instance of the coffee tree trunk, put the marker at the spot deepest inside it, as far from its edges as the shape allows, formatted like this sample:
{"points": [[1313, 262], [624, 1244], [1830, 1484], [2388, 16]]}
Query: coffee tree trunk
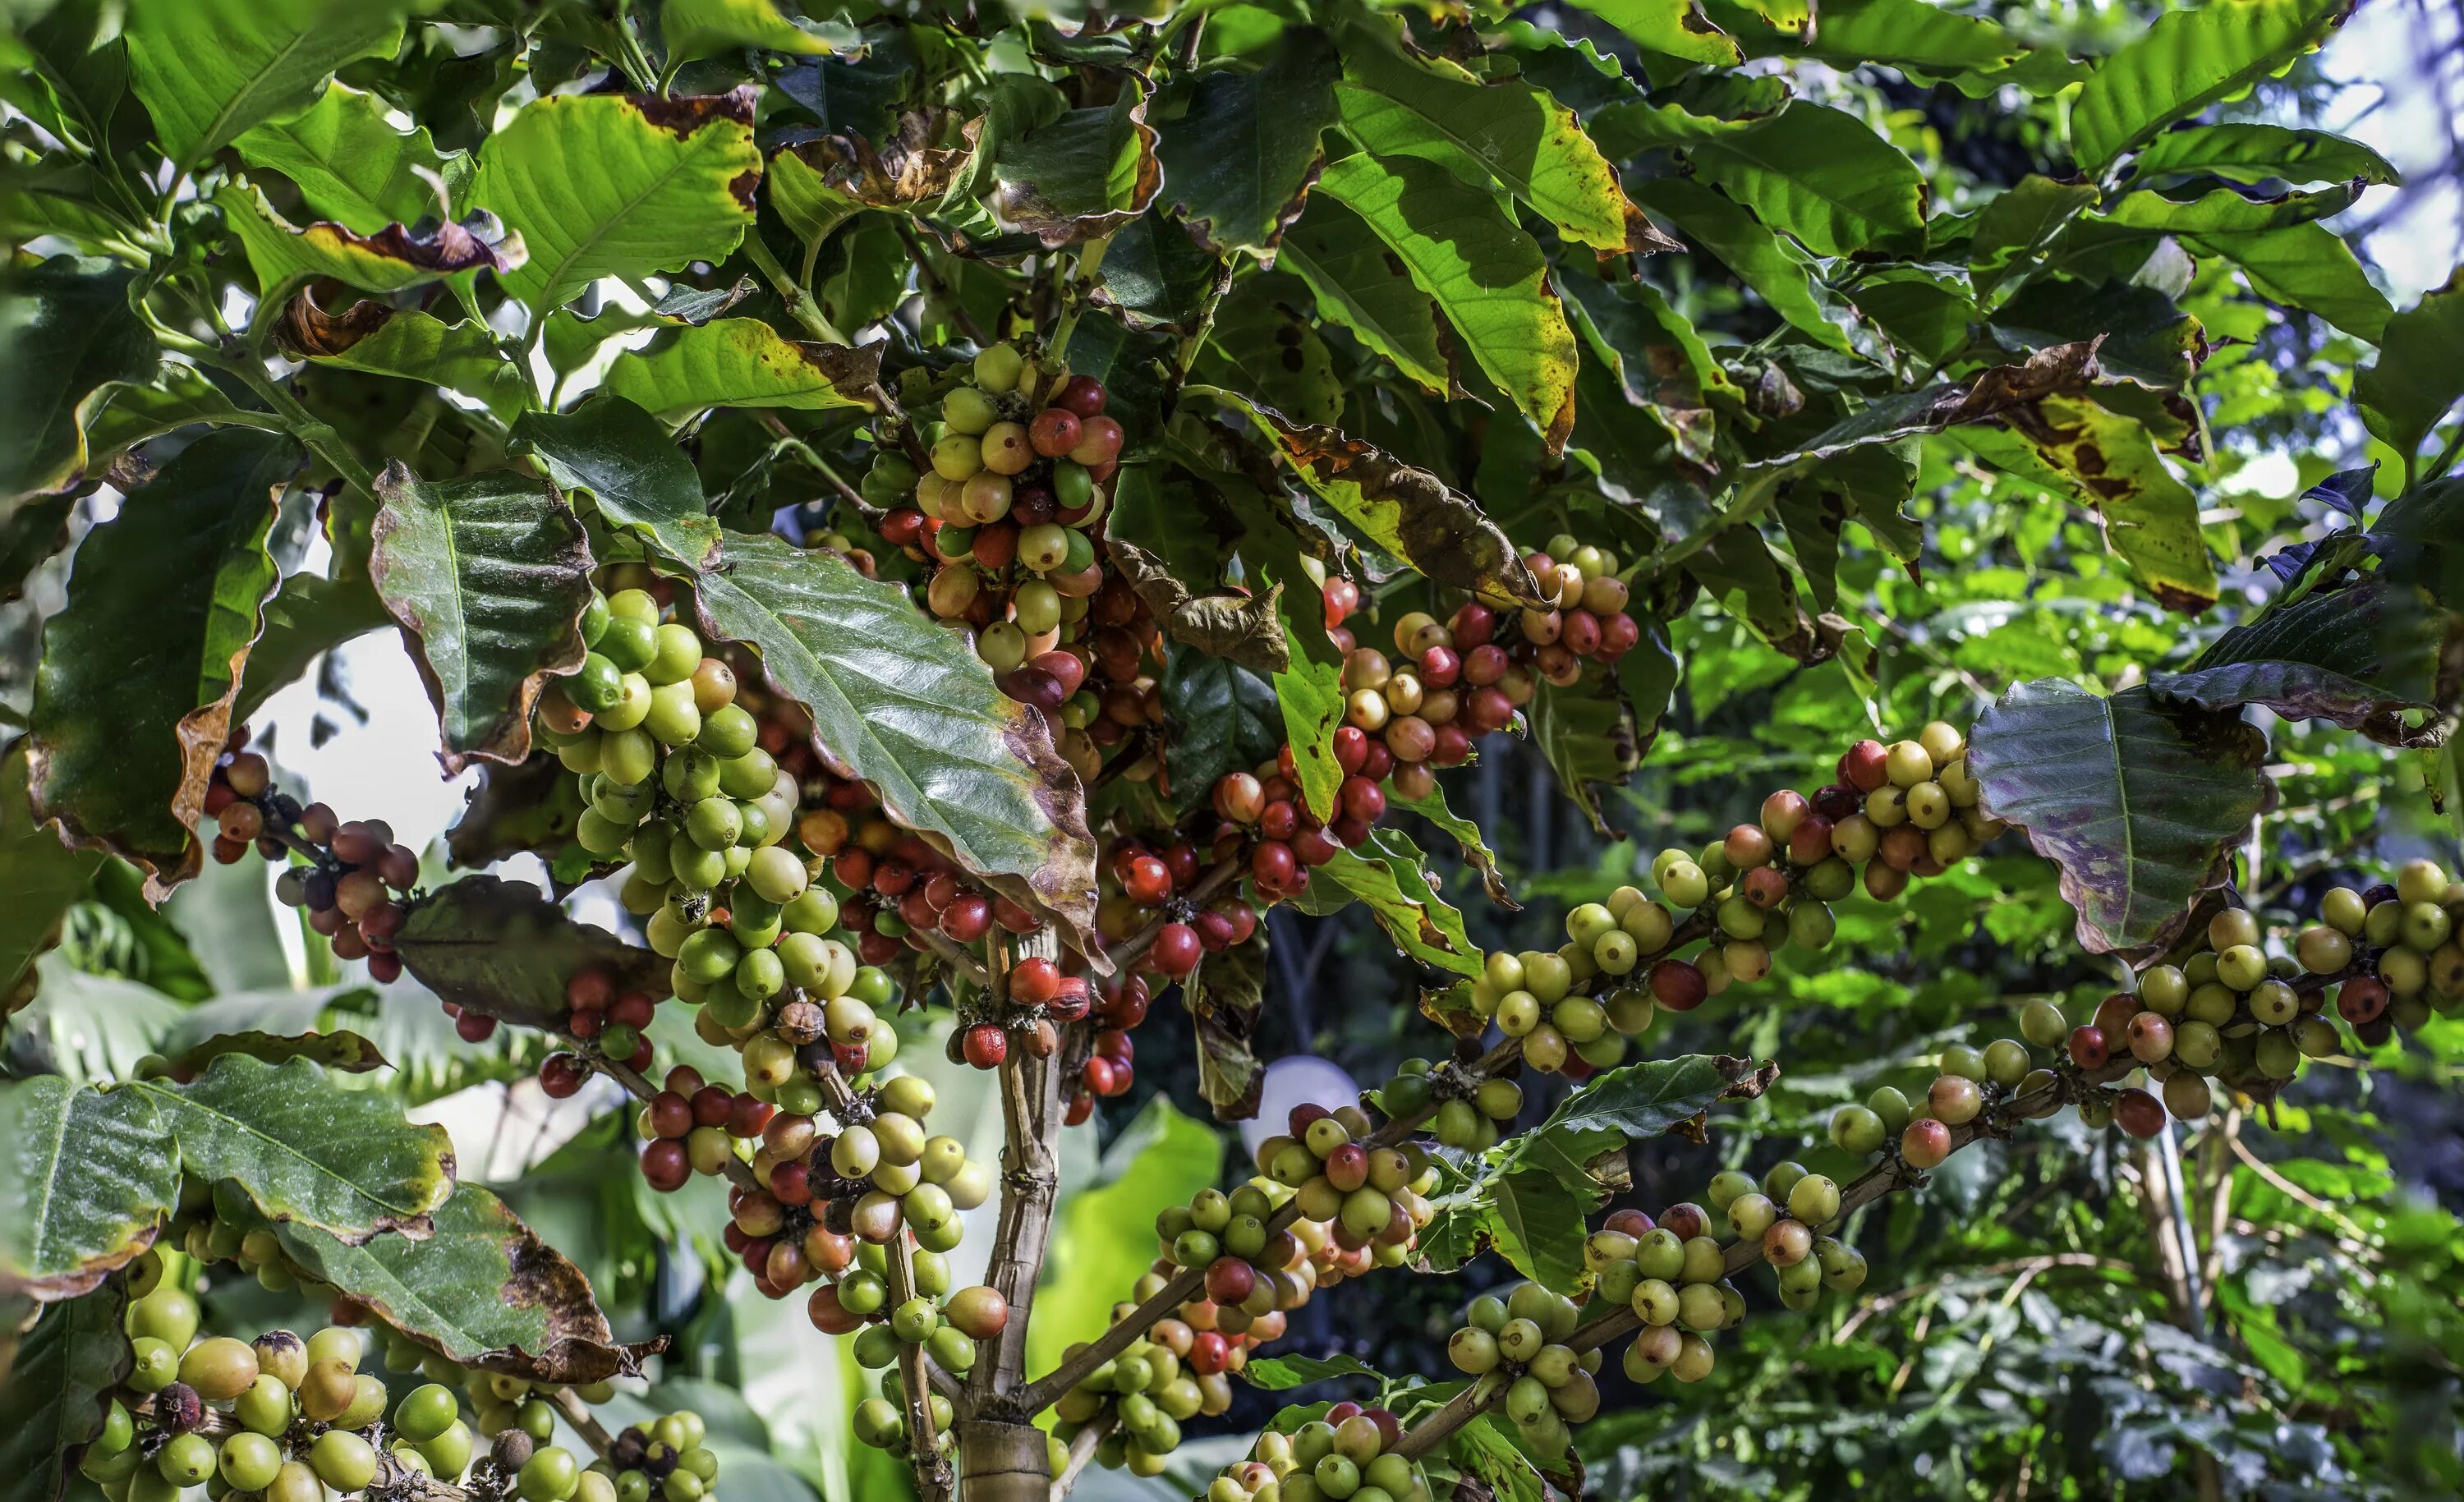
{"points": [[1003, 1463]]}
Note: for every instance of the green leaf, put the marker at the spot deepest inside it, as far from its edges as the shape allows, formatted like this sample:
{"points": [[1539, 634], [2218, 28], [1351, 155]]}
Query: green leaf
{"points": [[2419, 374], [1623, 1105], [694, 28], [910, 708], [1587, 733], [1780, 272], [2420, 540], [2139, 804], [133, 697], [284, 254], [1467, 836], [383, 339], [2223, 211], [1536, 1222], [816, 185], [353, 166], [2186, 61], [1489, 278], [609, 185], [209, 69], [1820, 174], [1224, 999], [1082, 175], [1672, 28], [1365, 289], [1505, 135], [1312, 695], [1915, 35], [2107, 463], [344, 1051], [1103, 1236], [2360, 657], [1389, 874], [2018, 224], [502, 949], [2147, 337], [340, 1161], [2250, 154], [1272, 351], [642, 482], [744, 362], [482, 1290], [121, 416], [488, 575], [309, 616], [1237, 162], [1408, 512], [1224, 717], [1156, 276], [2306, 266], [39, 880], [67, 332], [85, 1181], [1279, 1373], [58, 1388]]}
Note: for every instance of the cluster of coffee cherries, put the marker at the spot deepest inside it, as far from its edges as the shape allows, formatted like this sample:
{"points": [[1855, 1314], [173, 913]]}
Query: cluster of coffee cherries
{"points": [[2401, 953], [1471, 1114], [1372, 1199], [1008, 511], [899, 887], [356, 878], [1516, 1344], [664, 1458], [1264, 812], [1349, 1452], [946, 1328], [1673, 1272], [1901, 810], [1545, 997], [618, 1025]]}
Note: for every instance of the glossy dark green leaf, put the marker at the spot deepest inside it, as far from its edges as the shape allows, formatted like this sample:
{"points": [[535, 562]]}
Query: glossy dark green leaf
{"points": [[68, 333], [1237, 160], [1156, 276], [2186, 61], [1224, 719], [1468, 838], [1085, 174], [1271, 350], [40, 878], [2360, 657], [640, 480], [1626, 1104], [209, 69], [133, 699], [2139, 804], [1778, 270], [1588, 735], [1277, 1372], [57, 1391], [86, 1177], [2147, 337], [2420, 540], [912, 709], [488, 577], [502, 949], [306, 1150]]}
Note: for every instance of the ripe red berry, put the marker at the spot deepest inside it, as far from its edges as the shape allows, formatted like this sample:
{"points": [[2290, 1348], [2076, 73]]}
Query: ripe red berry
{"points": [[968, 918], [2088, 1047], [1034, 982], [1865, 765], [1147, 881], [1274, 865], [1082, 395], [589, 989], [1229, 1280], [1081, 1105], [1054, 432], [1363, 799], [2362, 1000], [666, 1166], [564, 1074], [986, 1045], [1678, 985], [1097, 1076], [474, 1027], [1925, 1144], [1176, 950], [672, 1114], [2138, 1113], [746, 1115]]}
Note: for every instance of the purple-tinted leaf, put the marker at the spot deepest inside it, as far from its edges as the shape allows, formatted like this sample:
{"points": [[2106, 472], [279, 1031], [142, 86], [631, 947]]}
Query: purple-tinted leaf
{"points": [[2360, 657]]}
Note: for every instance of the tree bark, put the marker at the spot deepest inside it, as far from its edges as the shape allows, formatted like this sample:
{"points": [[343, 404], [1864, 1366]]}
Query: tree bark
{"points": [[1003, 1462]]}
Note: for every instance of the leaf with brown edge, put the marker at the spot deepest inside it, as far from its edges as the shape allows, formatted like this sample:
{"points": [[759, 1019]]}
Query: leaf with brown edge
{"points": [[1409, 512], [133, 697], [85, 1182], [502, 949], [1238, 160], [488, 575], [1084, 175], [344, 1051], [745, 362], [482, 1290], [910, 707], [1246, 628], [284, 254], [2140, 804], [816, 183], [1224, 998], [2053, 370]]}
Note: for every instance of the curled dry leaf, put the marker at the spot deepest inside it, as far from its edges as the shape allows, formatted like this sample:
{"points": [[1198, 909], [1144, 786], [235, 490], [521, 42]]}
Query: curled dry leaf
{"points": [[1245, 628]]}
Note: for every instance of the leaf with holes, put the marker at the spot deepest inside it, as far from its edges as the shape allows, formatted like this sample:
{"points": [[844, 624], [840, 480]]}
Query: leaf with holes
{"points": [[306, 1150], [86, 1177], [908, 706], [611, 184], [209, 69], [2139, 804], [2186, 61], [2360, 656], [502, 949], [488, 577], [133, 698]]}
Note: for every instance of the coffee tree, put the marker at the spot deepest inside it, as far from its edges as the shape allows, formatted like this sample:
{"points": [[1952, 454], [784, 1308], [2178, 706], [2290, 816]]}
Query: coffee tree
{"points": [[958, 517]]}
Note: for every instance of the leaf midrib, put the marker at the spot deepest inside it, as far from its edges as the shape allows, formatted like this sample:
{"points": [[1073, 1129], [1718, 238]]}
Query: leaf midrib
{"points": [[248, 1129], [685, 158]]}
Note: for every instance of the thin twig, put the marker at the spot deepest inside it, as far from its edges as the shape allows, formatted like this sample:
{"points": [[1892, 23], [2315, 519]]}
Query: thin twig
{"points": [[1082, 1450]]}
